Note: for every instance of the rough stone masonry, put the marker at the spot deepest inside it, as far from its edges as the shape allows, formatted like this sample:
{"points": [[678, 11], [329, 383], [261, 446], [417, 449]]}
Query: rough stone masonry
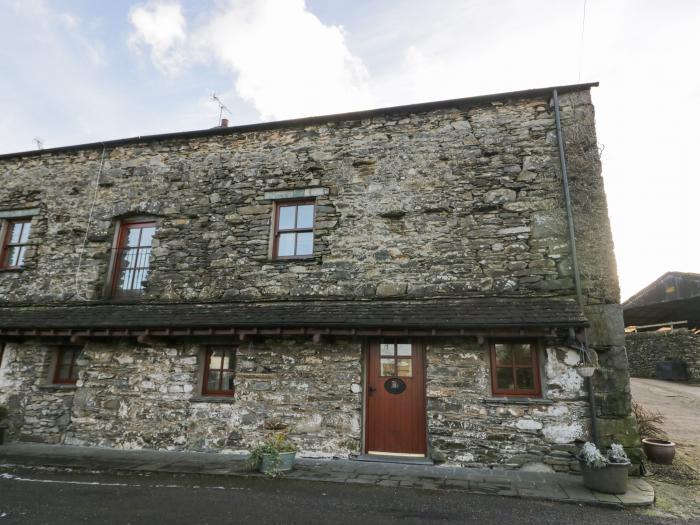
{"points": [[455, 200]]}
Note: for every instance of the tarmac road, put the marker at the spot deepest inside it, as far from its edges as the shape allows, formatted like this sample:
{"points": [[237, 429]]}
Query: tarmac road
{"points": [[46, 496]]}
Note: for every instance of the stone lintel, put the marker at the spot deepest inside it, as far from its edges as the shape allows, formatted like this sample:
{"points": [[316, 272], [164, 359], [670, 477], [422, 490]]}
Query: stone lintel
{"points": [[301, 193], [18, 214]]}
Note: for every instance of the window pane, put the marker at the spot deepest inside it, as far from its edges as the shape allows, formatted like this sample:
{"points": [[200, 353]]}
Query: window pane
{"points": [[504, 378], [305, 216], [386, 349], [388, 367], [125, 280], [286, 217], [404, 368], [286, 244], [24, 237], [66, 357], [13, 256], [227, 381], [215, 360], [403, 349], [147, 235], [20, 256], [525, 378], [305, 243], [132, 237], [16, 232], [504, 354], [213, 380], [128, 259], [63, 372], [522, 354]]}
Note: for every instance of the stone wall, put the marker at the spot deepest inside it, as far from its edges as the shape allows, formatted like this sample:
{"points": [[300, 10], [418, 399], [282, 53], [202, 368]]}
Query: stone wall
{"points": [[645, 349], [136, 396], [460, 201], [468, 427]]}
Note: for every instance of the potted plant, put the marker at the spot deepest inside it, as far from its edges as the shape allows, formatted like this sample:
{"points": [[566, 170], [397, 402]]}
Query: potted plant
{"points": [[604, 474], [654, 440], [3, 423], [274, 455]]}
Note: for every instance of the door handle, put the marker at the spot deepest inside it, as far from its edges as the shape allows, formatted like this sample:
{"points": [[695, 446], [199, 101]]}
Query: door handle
{"points": [[371, 389]]}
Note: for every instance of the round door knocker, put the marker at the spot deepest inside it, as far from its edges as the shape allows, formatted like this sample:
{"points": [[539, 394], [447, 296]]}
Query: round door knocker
{"points": [[394, 385]]}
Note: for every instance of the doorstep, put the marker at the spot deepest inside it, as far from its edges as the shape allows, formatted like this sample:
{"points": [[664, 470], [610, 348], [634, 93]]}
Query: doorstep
{"points": [[559, 487], [401, 460]]}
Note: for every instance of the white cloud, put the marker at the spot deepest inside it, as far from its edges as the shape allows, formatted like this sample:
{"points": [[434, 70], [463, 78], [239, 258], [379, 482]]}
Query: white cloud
{"points": [[285, 61], [162, 28], [288, 63]]}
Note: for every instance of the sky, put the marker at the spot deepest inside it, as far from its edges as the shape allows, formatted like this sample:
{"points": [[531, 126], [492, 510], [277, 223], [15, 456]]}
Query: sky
{"points": [[76, 71]]}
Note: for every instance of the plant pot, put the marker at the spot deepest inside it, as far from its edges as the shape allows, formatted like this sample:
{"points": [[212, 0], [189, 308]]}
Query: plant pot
{"points": [[611, 479], [283, 463], [659, 450], [586, 371]]}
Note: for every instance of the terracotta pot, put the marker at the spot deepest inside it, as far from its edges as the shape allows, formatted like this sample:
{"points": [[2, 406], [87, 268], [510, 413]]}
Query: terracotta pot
{"points": [[659, 450]]}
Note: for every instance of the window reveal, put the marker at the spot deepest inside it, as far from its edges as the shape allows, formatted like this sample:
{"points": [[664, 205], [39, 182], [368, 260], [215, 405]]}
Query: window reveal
{"points": [[14, 248], [219, 371], [514, 369], [66, 372], [294, 230], [132, 258]]}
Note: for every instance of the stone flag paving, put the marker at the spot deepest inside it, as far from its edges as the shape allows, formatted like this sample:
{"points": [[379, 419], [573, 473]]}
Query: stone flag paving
{"points": [[559, 487]]}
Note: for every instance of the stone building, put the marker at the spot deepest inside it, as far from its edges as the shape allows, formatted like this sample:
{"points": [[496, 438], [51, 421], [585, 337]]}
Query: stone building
{"points": [[395, 282]]}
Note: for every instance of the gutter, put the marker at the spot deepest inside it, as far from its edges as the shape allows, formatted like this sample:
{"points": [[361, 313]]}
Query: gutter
{"points": [[574, 257]]}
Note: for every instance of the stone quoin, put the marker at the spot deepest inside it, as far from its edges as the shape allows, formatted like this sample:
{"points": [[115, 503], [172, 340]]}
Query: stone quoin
{"points": [[391, 282]]}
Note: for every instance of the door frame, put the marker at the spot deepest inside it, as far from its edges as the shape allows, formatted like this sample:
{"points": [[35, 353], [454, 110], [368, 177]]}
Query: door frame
{"points": [[365, 380]]}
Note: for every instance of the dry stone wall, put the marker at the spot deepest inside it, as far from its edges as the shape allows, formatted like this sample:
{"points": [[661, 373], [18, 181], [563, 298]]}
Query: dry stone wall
{"points": [[645, 349]]}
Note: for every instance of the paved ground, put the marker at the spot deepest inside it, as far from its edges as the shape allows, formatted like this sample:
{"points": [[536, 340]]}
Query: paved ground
{"points": [[546, 486], [46, 496], [677, 486], [680, 404]]}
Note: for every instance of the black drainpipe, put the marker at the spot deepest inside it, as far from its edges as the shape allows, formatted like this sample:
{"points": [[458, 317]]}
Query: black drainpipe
{"points": [[574, 257]]}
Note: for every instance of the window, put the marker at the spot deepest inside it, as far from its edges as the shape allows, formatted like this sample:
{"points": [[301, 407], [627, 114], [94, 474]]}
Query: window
{"points": [[396, 359], [131, 260], [66, 371], [219, 371], [294, 230], [15, 242], [514, 369], [2, 352]]}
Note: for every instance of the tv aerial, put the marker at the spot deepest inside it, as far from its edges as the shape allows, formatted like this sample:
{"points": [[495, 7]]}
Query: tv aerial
{"points": [[222, 107]]}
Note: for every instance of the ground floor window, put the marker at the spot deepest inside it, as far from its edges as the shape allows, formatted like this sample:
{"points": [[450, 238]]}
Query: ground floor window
{"points": [[66, 371], [219, 371], [515, 369]]}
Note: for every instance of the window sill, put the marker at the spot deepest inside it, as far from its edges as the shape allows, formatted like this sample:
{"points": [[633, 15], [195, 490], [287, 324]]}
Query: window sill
{"points": [[517, 401], [11, 270], [213, 399], [58, 387]]}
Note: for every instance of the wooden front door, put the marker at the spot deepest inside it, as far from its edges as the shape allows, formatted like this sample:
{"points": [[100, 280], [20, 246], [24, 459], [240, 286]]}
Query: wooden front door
{"points": [[395, 398]]}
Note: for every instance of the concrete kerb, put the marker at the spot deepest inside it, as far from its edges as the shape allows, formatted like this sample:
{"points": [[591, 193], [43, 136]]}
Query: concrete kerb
{"points": [[558, 487]]}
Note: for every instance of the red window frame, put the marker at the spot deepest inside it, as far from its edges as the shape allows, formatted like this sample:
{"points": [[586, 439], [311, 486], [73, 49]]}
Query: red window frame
{"points": [[121, 248], [7, 245], [533, 365], [71, 377], [220, 391], [279, 231]]}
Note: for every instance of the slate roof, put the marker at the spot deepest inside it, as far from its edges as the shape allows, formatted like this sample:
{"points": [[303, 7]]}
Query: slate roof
{"points": [[433, 314]]}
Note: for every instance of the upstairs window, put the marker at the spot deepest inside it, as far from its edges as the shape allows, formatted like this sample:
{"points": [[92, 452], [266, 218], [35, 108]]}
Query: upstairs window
{"points": [[294, 230], [15, 242], [219, 371], [514, 369], [132, 257], [66, 372]]}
